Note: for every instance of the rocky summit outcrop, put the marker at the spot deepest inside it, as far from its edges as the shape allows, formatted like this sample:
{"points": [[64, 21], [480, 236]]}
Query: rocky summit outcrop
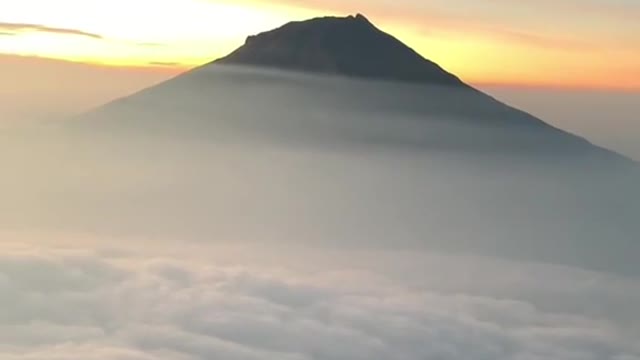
{"points": [[350, 46]]}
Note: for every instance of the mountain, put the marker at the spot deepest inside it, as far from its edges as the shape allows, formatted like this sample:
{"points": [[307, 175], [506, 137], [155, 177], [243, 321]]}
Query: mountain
{"points": [[350, 46], [339, 80], [331, 131]]}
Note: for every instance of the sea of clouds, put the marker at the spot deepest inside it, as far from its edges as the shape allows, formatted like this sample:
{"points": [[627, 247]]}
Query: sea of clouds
{"points": [[103, 301]]}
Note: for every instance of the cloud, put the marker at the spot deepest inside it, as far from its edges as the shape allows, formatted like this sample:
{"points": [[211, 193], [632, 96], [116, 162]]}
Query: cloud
{"points": [[150, 44], [18, 28], [86, 305], [165, 63]]}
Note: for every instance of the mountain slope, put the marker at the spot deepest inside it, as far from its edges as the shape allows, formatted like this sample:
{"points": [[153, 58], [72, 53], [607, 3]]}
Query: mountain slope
{"points": [[304, 135], [275, 86], [350, 46]]}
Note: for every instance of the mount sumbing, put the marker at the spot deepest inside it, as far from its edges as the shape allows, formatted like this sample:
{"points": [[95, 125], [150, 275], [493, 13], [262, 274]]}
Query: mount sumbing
{"points": [[333, 131], [339, 80]]}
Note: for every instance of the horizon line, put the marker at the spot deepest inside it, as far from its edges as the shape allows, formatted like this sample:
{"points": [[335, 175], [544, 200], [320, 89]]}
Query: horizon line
{"points": [[173, 69]]}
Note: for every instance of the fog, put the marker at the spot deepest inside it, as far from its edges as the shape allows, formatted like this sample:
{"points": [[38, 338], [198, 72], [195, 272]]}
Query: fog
{"points": [[607, 117], [250, 214]]}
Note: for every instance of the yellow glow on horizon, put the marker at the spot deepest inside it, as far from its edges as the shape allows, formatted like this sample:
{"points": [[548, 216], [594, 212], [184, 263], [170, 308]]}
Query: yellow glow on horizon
{"points": [[484, 60], [186, 33]]}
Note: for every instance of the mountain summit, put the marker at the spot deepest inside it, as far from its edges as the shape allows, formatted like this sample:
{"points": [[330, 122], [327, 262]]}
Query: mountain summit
{"points": [[349, 46]]}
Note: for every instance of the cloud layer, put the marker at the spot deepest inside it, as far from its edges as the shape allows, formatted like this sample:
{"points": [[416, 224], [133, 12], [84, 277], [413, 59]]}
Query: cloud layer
{"points": [[99, 305], [18, 28]]}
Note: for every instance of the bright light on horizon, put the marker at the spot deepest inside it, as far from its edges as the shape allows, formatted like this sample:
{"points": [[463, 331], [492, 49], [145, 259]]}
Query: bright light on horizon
{"points": [[185, 33]]}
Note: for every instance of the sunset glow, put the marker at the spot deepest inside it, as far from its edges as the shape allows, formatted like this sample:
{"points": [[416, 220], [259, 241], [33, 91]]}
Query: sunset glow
{"points": [[482, 48]]}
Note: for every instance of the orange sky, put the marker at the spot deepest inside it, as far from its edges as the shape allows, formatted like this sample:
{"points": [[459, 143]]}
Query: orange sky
{"points": [[572, 43]]}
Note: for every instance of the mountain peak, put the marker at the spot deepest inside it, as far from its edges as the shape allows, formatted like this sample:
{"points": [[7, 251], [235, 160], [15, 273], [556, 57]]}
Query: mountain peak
{"points": [[360, 17], [348, 46]]}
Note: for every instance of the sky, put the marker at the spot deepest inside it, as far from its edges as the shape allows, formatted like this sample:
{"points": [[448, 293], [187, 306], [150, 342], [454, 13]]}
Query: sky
{"points": [[571, 43]]}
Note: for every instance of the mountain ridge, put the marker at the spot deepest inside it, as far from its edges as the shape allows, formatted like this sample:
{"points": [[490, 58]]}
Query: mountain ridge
{"points": [[350, 46]]}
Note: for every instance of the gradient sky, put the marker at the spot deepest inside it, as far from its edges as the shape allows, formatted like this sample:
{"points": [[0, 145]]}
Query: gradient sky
{"points": [[569, 43]]}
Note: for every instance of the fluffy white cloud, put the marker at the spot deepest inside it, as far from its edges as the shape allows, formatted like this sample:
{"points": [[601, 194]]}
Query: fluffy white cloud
{"points": [[84, 305]]}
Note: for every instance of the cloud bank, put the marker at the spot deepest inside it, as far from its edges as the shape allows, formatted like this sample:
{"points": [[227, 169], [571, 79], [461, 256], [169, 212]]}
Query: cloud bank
{"points": [[18, 28], [99, 305]]}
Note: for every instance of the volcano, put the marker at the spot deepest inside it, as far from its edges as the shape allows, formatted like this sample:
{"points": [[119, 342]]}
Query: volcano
{"points": [[331, 130], [339, 81], [350, 46]]}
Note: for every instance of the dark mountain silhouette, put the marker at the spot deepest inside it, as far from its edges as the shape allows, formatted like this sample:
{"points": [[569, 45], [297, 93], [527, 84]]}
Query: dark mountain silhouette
{"points": [[351, 105], [380, 92], [350, 46]]}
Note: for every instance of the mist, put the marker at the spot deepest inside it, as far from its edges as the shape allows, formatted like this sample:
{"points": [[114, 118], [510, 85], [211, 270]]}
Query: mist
{"points": [[253, 214], [606, 117]]}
